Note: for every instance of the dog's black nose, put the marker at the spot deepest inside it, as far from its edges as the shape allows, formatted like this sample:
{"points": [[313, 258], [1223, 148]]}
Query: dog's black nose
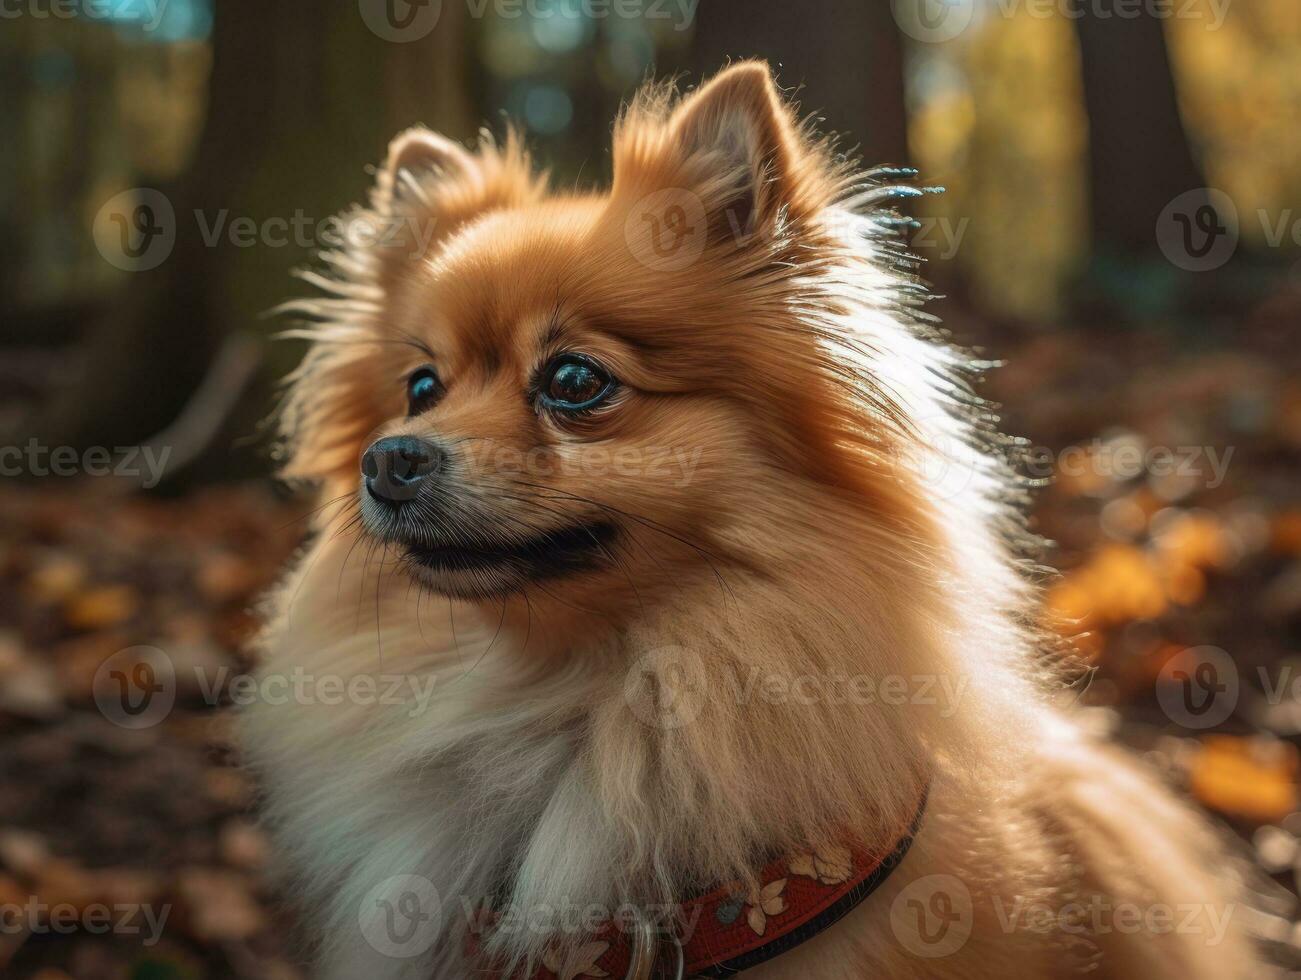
{"points": [[395, 467]]}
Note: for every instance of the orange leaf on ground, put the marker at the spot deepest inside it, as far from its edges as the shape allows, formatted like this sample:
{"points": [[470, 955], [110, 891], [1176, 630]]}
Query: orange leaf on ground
{"points": [[1245, 777], [101, 607], [1286, 536], [219, 905]]}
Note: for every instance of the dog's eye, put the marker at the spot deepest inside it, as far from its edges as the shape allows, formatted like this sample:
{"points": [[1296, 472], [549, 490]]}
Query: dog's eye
{"points": [[423, 390], [574, 382]]}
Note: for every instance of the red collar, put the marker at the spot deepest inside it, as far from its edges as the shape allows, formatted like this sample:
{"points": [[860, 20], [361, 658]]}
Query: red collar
{"points": [[736, 929]]}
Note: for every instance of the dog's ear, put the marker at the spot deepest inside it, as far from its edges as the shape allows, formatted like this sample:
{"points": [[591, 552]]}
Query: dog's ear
{"points": [[415, 158], [741, 124], [735, 146], [429, 186]]}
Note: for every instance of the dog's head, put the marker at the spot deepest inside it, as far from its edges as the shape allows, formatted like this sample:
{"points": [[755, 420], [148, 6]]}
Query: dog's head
{"points": [[615, 388]]}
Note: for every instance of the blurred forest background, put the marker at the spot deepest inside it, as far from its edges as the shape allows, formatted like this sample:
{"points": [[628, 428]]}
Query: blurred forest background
{"points": [[158, 156]]}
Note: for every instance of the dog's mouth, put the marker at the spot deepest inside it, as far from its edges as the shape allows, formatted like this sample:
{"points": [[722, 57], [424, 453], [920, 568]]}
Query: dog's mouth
{"points": [[484, 567], [557, 550]]}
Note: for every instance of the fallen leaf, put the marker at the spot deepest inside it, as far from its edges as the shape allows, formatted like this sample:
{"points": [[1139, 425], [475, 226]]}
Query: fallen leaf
{"points": [[23, 851], [101, 607], [32, 691], [1245, 777], [243, 844], [219, 905]]}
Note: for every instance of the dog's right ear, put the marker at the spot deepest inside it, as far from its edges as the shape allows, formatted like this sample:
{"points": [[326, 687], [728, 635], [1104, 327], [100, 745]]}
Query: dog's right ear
{"points": [[416, 157], [430, 185]]}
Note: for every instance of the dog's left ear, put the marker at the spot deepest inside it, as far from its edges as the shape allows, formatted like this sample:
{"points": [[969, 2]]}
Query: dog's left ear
{"points": [[741, 123], [736, 145]]}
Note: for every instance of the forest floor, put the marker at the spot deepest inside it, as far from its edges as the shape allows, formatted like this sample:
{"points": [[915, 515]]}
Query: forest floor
{"points": [[1175, 508]]}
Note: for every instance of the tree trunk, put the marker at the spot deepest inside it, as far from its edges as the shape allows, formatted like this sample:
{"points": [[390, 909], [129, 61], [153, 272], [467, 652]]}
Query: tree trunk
{"points": [[1139, 156], [302, 98]]}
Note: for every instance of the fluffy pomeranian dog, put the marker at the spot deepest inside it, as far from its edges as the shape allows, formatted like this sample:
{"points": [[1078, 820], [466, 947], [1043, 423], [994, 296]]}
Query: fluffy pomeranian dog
{"points": [[670, 572]]}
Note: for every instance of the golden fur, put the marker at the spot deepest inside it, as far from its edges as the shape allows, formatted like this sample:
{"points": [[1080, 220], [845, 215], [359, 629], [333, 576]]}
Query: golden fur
{"points": [[838, 509]]}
